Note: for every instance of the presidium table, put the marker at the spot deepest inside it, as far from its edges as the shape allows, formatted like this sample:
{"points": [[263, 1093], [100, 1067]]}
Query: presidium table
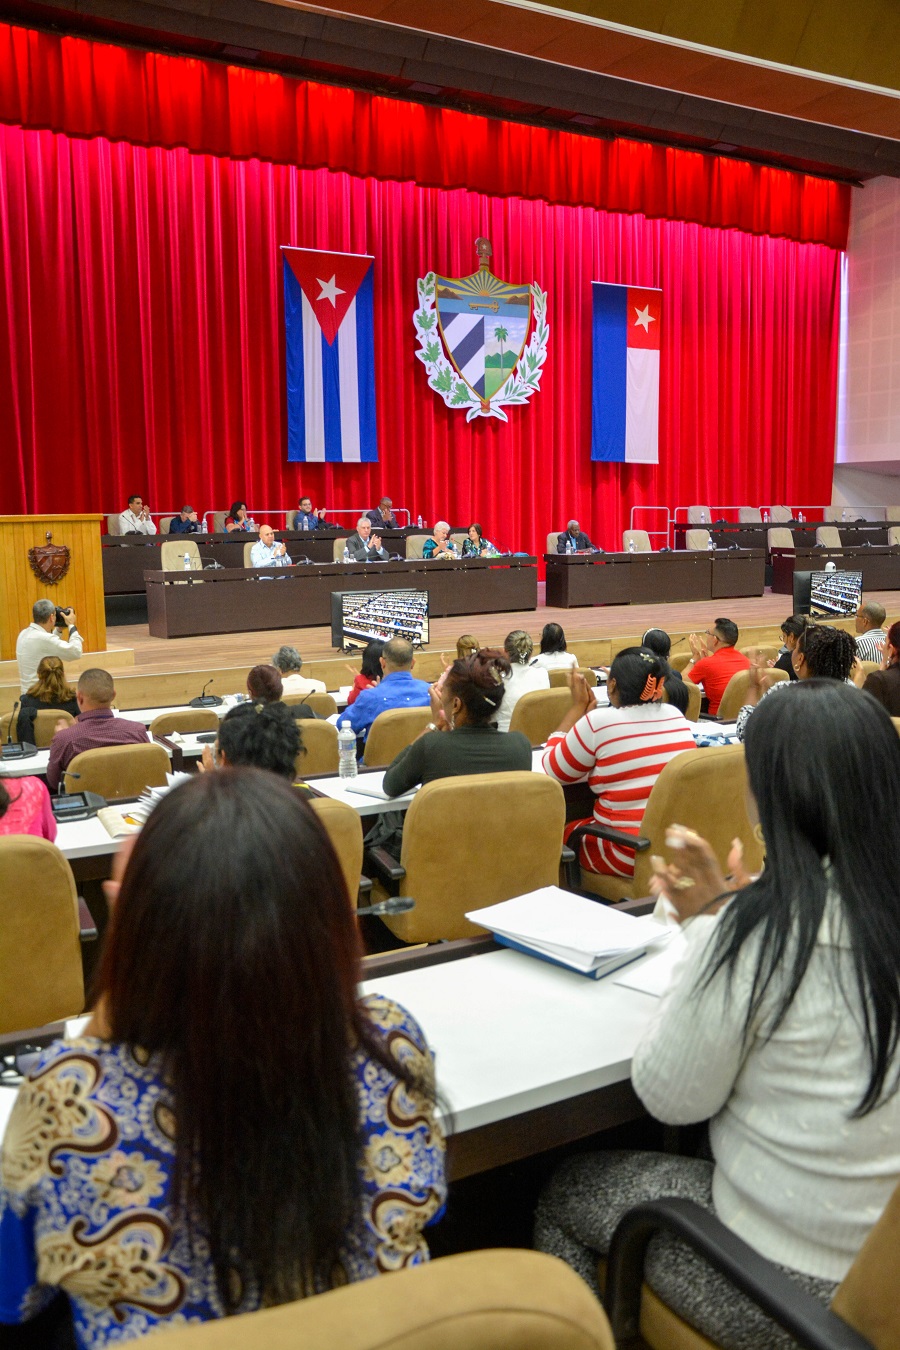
{"points": [[652, 578], [239, 599]]}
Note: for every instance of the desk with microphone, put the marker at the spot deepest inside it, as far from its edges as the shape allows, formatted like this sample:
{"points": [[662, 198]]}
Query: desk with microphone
{"points": [[16, 749], [205, 700]]}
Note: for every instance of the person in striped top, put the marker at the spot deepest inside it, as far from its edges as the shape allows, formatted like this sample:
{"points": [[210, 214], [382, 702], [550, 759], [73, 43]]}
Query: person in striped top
{"points": [[620, 751]]}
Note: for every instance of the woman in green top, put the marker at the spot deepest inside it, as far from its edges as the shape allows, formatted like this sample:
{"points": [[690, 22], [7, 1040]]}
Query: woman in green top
{"points": [[475, 545], [440, 545], [462, 737]]}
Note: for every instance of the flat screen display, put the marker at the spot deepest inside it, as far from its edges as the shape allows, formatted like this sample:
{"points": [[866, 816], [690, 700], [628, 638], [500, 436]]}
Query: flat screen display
{"points": [[834, 594], [359, 616]]}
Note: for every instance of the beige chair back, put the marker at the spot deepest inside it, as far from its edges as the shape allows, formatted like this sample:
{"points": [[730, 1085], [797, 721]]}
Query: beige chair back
{"points": [[488, 811], [45, 725], [184, 720], [113, 524], [459, 540], [217, 522], [485, 1300], [118, 770], [559, 679], [172, 551], [894, 536], [415, 544], [337, 547], [697, 540], [749, 515], [40, 956], [320, 748], [4, 728], [323, 705], [869, 667], [735, 695], [164, 524], [706, 790], [640, 539], [699, 515], [780, 514], [779, 538], [833, 513], [248, 561], [344, 828], [553, 540], [761, 653], [695, 701], [828, 536], [391, 732], [680, 660], [540, 712], [892, 513]]}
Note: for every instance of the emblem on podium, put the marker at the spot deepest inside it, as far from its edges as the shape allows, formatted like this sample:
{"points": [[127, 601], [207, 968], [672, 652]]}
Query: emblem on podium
{"points": [[474, 339], [49, 562]]}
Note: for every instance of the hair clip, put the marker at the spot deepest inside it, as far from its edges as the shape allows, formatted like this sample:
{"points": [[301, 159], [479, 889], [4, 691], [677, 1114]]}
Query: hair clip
{"points": [[652, 690]]}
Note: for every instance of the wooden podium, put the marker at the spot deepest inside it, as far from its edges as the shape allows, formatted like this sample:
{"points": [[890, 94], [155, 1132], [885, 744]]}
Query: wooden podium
{"points": [[81, 587]]}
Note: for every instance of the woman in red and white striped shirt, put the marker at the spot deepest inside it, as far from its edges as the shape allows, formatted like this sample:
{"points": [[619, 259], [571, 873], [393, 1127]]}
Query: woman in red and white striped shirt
{"points": [[620, 751]]}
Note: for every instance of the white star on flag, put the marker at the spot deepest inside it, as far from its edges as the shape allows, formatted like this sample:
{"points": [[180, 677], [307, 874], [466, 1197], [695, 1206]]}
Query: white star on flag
{"points": [[330, 291], [643, 320]]}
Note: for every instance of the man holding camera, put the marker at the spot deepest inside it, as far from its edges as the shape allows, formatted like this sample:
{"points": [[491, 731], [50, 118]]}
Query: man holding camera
{"points": [[43, 637]]}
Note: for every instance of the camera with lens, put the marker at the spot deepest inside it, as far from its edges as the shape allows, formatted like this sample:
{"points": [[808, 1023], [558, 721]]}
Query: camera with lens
{"points": [[61, 620]]}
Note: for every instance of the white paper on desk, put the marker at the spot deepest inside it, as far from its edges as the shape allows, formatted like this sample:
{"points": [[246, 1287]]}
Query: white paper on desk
{"points": [[654, 975], [569, 927]]}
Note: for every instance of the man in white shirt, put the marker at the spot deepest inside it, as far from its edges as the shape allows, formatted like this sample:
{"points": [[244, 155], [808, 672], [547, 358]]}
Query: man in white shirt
{"points": [[870, 634], [42, 638], [136, 520], [266, 552], [289, 661]]}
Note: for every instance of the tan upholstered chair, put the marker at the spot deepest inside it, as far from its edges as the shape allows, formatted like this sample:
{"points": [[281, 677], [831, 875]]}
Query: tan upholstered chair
{"points": [[833, 513], [320, 744], [118, 770], [459, 540], [749, 515], [559, 679], [892, 513], [344, 828], [248, 548], [486, 1300], [512, 824], [641, 541], [113, 524], [172, 551], [540, 712], [828, 536], [323, 705], [697, 540], [780, 515], [695, 700], [706, 790], [869, 667], [184, 720], [45, 725], [894, 536], [164, 524], [779, 538], [553, 540], [217, 522], [735, 695], [680, 660], [761, 652], [391, 732], [415, 543], [40, 956], [699, 515], [865, 1300]]}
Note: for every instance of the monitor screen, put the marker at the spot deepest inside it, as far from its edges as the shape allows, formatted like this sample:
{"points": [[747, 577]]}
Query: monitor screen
{"points": [[359, 616], [834, 594]]}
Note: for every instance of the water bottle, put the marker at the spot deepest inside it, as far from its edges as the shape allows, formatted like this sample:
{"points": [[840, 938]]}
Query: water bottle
{"points": [[711, 546], [346, 554], [305, 521], [419, 522], [630, 545], [187, 562], [801, 517], [346, 752], [765, 516]]}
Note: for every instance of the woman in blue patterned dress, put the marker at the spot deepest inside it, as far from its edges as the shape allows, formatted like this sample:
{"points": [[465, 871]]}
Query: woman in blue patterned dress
{"points": [[236, 1128]]}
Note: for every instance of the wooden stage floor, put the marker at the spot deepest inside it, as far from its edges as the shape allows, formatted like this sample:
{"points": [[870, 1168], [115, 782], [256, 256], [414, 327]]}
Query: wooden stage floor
{"points": [[159, 655]]}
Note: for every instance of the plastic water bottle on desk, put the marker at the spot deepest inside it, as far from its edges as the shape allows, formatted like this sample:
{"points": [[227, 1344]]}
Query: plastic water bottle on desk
{"points": [[346, 752], [346, 554], [187, 562], [418, 522], [630, 545], [305, 521], [711, 546]]}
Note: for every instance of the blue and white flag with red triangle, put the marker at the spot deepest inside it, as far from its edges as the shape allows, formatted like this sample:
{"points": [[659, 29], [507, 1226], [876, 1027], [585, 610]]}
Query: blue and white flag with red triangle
{"points": [[329, 332]]}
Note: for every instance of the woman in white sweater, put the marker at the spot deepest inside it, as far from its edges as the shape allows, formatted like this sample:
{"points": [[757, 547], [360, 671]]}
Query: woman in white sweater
{"points": [[524, 678], [780, 1026]]}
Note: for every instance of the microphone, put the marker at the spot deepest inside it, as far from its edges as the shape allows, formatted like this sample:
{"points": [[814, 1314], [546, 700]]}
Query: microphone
{"points": [[206, 700], [19, 749], [398, 904]]}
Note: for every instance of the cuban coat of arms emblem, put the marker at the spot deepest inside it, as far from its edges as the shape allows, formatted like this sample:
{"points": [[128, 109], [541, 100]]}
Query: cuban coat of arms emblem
{"points": [[474, 338]]}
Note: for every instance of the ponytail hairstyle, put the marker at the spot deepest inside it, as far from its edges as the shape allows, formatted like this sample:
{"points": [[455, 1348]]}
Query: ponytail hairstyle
{"points": [[795, 625], [466, 645], [640, 676], [477, 681], [829, 652], [518, 646]]}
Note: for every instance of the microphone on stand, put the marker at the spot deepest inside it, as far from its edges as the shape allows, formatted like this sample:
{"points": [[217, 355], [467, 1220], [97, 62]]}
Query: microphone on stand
{"points": [[206, 700], [18, 749], [398, 904]]}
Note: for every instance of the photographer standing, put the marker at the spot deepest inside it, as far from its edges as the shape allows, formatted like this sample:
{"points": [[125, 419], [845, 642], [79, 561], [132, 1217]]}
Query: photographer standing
{"points": [[43, 637]]}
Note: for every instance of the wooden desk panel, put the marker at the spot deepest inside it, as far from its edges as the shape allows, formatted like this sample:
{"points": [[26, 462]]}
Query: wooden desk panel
{"points": [[652, 578], [661, 577], [735, 574], [587, 579], [880, 566]]}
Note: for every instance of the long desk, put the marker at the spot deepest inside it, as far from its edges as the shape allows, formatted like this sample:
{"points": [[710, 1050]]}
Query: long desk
{"points": [[648, 578], [880, 566], [236, 600], [755, 535]]}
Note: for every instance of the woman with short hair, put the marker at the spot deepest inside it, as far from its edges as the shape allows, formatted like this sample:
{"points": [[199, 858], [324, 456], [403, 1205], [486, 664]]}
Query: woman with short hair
{"points": [[475, 545], [440, 545], [236, 1128]]}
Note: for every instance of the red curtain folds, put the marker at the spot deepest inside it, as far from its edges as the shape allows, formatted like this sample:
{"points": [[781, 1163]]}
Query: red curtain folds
{"points": [[140, 315]]}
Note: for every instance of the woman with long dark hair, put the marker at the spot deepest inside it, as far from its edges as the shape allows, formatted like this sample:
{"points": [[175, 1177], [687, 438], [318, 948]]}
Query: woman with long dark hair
{"points": [[781, 1026], [236, 1128], [370, 672], [51, 690], [237, 518], [554, 654]]}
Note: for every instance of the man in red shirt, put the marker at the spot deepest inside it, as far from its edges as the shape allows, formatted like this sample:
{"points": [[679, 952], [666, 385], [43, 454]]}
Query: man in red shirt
{"points": [[97, 725], [715, 659]]}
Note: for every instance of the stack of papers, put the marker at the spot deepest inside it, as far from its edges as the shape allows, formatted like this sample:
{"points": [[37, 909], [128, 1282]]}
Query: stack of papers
{"points": [[571, 931]]}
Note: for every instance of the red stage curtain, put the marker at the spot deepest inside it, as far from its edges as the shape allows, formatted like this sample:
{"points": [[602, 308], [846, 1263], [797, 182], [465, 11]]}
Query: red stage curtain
{"points": [[140, 320], [88, 88]]}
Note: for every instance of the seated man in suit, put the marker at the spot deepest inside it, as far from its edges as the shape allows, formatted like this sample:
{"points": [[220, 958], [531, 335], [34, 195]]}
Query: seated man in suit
{"points": [[308, 519], [267, 553], [572, 540], [136, 520], [186, 522], [382, 516], [95, 726], [364, 546], [398, 689]]}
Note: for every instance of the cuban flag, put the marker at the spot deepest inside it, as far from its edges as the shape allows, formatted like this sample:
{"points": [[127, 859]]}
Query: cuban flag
{"points": [[329, 335], [625, 417]]}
